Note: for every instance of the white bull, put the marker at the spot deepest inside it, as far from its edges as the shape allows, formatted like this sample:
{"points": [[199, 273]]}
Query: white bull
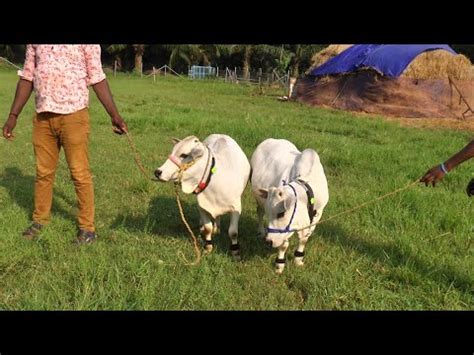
{"points": [[291, 190], [217, 171]]}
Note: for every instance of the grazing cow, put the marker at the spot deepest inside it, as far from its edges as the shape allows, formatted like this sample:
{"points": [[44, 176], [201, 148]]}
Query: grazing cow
{"points": [[217, 172], [291, 189]]}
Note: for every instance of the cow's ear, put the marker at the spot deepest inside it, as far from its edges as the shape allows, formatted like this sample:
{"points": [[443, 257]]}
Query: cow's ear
{"points": [[289, 201], [197, 152], [263, 193], [175, 140]]}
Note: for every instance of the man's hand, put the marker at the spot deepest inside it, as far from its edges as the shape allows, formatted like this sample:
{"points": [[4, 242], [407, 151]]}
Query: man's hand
{"points": [[119, 125], [433, 175], [9, 127]]}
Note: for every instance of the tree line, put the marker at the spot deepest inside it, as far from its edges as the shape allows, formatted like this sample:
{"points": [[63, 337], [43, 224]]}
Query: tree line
{"points": [[295, 58], [133, 57]]}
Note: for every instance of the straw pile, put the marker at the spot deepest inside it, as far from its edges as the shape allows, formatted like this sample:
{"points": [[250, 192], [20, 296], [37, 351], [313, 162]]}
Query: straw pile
{"points": [[327, 53], [439, 64]]}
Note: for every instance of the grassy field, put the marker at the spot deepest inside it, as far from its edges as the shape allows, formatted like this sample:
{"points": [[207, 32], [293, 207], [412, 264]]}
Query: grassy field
{"points": [[386, 256]]}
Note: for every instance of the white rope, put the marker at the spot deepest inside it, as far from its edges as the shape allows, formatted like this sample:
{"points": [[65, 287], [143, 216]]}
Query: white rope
{"points": [[7, 61]]}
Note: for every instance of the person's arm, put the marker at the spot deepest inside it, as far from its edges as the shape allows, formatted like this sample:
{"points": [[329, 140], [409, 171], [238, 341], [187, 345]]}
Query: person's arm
{"points": [[436, 173], [23, 92], [96, 79], [104, 95]]}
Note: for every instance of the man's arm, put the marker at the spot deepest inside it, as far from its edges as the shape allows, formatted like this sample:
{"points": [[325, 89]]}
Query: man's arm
{"points": [[96, 79], [22, 94], [436, 173], [104, 95]]}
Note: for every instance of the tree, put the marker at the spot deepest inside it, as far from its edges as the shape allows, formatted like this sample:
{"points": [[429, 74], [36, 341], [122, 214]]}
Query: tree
{"points": [[116, 50], [252, 52], [139, 50], [13, 52], [205, 54], [301, 57]]}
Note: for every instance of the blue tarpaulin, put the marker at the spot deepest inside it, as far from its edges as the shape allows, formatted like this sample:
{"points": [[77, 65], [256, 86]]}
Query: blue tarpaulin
{"points": [[388, 59]]}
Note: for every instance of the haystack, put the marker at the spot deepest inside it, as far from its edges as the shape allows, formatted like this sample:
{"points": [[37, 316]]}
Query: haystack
{"points": [[436, 64], [327, 53], [439, 64], [392, 80]]}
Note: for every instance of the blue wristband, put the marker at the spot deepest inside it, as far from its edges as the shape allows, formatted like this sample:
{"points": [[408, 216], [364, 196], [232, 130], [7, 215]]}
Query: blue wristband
{"points": [[443, 168]]}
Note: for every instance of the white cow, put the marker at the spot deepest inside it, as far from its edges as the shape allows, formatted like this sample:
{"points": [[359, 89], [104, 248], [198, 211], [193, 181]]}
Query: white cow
{"points": [[291, 189], [218, 174]]}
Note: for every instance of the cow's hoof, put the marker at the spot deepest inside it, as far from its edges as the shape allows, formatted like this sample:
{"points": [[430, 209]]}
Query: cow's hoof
{"points": [[208, 249], [236, 257], [299, 262], [279, 270]]}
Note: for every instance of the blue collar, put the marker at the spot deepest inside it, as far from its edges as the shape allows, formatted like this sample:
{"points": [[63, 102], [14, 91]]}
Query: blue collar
{"points": [[288, 227]]}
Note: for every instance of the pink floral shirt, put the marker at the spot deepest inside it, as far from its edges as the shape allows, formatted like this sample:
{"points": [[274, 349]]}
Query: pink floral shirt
{"points": [[61, 75]]}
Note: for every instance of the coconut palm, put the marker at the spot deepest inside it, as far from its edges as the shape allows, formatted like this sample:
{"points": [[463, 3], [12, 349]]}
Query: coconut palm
{"points": [[12, 52], [301, 57], [139, 50], [117, 50], [277, 55]]}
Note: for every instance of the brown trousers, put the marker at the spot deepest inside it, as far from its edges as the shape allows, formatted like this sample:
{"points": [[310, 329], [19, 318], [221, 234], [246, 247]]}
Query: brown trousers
{"points": [[52, 131]]}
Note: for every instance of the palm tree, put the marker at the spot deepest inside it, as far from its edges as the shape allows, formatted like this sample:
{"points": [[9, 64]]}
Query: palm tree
{"points": [[277, 54], [301, 57], [205, 54], [116, 50], [139, 50], [12, 52]]}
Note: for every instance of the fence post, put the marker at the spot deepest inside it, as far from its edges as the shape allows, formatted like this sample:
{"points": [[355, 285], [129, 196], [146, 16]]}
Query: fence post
{"points": [[165, 69], [217, 72], [154, 75], [141, 70], [115, 68]]}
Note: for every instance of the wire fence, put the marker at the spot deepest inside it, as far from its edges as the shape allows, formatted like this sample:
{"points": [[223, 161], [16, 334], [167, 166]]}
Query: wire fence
{"points": [[235, 75]]}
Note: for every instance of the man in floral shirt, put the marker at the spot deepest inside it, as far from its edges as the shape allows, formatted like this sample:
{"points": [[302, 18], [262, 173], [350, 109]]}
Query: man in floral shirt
{"points": [[60, 76]]}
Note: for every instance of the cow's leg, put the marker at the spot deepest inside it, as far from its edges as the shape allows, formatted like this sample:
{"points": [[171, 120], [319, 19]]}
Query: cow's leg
{"points": [[261, 226], [216, 226], [303, 237], [206, 230], [233, 234], [280, 261]]}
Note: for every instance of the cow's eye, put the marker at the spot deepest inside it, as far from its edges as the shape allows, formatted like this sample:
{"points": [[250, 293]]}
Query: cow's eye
{"points": [[280, 215], [183, 156]]}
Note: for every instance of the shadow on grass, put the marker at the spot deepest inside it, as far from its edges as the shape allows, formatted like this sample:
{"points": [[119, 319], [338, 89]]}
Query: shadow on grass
{"points": [[20, 187], [446, 276], [163, 220]]}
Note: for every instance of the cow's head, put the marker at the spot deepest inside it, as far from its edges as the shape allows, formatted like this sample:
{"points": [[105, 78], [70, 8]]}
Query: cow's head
{"points": [[184, 152], [279, 208]]}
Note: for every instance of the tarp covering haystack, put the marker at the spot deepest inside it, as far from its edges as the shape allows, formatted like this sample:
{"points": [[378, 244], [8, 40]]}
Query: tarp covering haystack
{"points": [[394, 80]]}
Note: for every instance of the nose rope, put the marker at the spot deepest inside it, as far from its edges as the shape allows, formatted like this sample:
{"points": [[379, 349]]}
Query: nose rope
{"points": [[182, 168]]}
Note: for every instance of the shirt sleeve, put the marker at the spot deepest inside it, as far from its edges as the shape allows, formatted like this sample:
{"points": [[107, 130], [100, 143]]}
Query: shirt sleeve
{"points": [[28, 72], [95, 74]]}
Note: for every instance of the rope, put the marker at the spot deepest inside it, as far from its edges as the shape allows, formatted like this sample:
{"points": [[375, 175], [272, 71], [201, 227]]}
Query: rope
{"points": [[7, 61], [197, 250], [136, 156], [360, 206]]}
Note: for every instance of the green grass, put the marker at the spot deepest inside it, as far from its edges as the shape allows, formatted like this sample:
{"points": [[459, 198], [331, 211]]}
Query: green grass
{"points": [[384, 256]]}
